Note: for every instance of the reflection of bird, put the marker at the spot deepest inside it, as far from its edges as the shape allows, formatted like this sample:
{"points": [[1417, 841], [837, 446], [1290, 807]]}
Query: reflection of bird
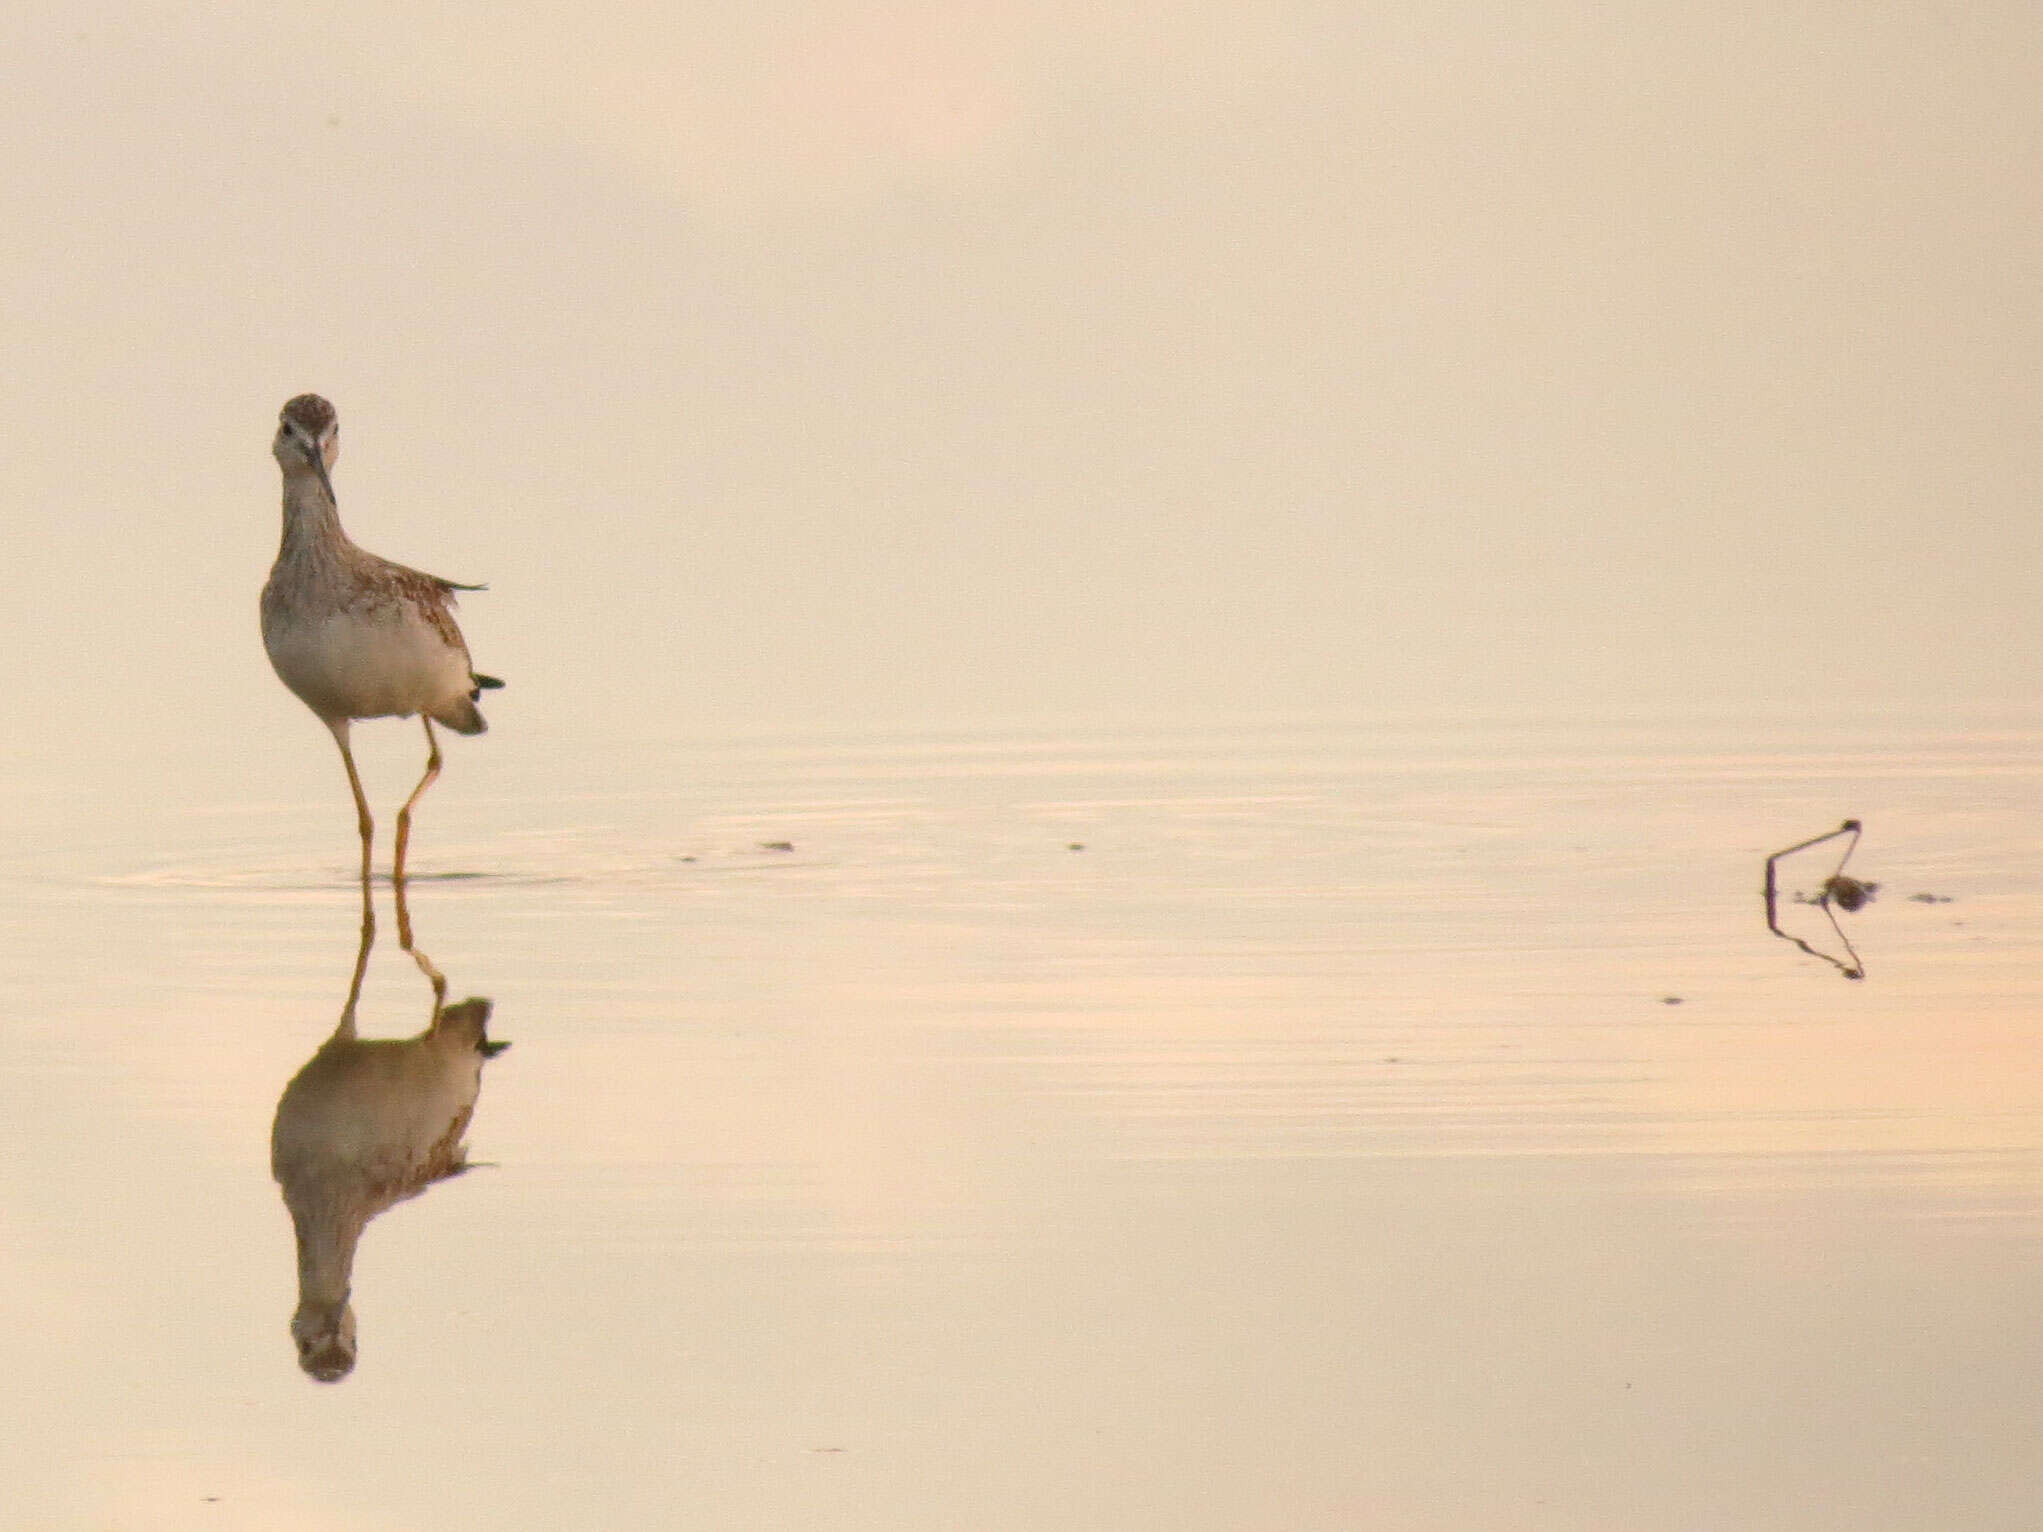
{"points": [[363, 1125], [353, 635]]}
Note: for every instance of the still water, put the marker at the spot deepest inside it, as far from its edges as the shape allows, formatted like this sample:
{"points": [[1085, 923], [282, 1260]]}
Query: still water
{"points": [[1304, 1126]]}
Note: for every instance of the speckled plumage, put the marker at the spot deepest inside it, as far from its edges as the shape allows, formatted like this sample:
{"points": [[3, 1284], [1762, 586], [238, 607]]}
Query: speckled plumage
{"points": [[353, 635]]}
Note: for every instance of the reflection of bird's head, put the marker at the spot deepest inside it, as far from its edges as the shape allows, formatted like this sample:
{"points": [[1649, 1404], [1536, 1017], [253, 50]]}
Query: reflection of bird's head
{"points": [[326, 1339]]}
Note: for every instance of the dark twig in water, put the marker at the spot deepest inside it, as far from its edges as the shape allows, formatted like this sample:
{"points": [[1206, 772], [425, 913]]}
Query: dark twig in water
{"points": [[1848, 892]]}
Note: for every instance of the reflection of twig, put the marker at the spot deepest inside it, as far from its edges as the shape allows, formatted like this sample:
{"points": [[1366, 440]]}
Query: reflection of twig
{"points": [[1855, 969]]}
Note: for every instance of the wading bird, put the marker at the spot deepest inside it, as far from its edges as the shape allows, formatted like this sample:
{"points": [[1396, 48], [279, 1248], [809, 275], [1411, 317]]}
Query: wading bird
{"points": [[353, 635]]}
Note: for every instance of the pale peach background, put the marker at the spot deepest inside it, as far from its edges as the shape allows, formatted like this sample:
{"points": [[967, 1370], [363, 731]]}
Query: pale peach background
{"points": [[1039, 390], [782, 365]]}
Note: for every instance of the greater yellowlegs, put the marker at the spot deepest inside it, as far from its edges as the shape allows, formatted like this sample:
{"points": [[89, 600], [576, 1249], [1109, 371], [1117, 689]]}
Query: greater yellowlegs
{"points": [[353, 635]]}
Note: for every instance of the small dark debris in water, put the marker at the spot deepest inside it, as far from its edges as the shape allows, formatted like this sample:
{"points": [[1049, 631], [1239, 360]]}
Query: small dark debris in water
{"points": [[1670, 999], [1077, 845], [1849, 893], [688, 859], [826, 1449], [1392, 1058], [776, 845], [1929, 898]]}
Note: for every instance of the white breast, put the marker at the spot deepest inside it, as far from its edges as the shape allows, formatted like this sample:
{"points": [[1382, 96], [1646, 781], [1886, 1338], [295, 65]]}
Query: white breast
{"points": [[373, 663]]}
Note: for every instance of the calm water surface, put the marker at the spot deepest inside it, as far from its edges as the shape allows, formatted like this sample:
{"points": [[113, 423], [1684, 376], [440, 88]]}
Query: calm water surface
{"points": [[1288, 1127]]}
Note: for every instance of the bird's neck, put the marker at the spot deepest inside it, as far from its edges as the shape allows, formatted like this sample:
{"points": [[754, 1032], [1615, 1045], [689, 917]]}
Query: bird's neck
{"points": [[311, 519], [327, 1235]]}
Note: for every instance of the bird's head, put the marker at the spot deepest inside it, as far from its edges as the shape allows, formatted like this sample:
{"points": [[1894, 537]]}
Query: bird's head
{"points": [[308, 439]]}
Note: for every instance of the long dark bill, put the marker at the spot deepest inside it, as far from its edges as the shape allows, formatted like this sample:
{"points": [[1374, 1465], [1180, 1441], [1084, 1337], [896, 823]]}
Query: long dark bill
{"points": [[319, 467]]}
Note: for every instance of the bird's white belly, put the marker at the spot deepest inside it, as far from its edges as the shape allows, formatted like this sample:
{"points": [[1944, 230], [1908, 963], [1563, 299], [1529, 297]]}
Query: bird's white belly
{"points": [[358, 665], [376, 1106]]}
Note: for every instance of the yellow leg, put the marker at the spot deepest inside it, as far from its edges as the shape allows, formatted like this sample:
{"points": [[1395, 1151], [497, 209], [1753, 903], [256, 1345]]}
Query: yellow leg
{"points": [[404, 831], [363, 822], [426, 781]]}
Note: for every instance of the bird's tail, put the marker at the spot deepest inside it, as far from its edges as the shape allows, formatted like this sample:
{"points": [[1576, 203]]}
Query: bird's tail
{"points": [[462, 716], [467, 1025], [484, 683]]}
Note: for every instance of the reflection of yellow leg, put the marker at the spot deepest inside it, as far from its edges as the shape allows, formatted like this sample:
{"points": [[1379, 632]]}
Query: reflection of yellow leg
{"points": [[433, 975], [426, 781], [346, 1028], [363, 823]]}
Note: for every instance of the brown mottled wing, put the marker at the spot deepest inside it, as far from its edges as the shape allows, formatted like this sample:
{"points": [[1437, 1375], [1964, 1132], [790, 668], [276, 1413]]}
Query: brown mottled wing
{"points": [[431, 595], [420, 574]]}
